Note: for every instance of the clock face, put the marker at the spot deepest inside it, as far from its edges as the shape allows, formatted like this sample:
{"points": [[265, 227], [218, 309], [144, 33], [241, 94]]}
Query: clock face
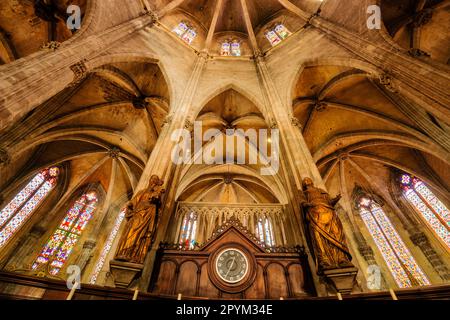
{"points": [[232, 265]]}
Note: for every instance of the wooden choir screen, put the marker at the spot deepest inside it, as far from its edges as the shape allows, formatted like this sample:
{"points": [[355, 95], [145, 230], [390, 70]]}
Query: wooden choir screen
{"points": [[273, 272]]}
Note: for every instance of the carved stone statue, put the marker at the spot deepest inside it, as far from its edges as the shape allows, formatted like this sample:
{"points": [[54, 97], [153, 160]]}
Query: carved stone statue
{"points": [[325, 229], [142, 216]]}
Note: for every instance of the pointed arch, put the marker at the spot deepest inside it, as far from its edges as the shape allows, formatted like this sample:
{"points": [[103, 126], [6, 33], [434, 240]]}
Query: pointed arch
{"points": [[222, 89]]}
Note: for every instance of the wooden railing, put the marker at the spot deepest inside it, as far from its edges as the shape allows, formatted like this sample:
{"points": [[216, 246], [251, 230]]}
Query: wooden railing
{"points": [[15, 286]]}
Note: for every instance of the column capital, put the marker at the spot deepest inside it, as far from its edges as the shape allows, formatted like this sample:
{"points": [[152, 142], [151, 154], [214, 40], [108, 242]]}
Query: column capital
{"points": [[188, 125], [420, 239], [203, 55], [416, 53], [80, 72], [296, 123], [167, 120], [366, 251], [153, 15], [258, 55], [4, 157], [89, 244], [387, 81]]}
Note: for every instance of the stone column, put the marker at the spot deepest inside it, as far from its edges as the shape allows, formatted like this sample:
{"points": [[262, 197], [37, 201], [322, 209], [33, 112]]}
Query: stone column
{"points": [[28, 82], [86, 254], [299, 162], [421, 240]]}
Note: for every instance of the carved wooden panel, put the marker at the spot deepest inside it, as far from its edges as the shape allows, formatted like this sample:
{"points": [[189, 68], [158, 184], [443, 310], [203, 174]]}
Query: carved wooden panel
{"points": [[276, 281], [187, 278]]}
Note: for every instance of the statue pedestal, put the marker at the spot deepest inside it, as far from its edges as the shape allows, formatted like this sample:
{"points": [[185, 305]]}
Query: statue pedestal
{"points": [[124, 272], [343, 279]]}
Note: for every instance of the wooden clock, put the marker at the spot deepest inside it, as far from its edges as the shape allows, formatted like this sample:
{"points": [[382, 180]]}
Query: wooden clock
{"points": [[232, 268]]}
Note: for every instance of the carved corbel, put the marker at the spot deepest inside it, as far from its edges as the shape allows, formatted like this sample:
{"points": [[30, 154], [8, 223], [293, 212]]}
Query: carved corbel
{"points": [[387, 81], [51, 45], [189, 125], [80, 72], [296, 123]]}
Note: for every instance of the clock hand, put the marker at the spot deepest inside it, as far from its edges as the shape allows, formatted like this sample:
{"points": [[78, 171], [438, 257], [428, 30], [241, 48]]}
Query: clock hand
{"points": [[229, 269]]}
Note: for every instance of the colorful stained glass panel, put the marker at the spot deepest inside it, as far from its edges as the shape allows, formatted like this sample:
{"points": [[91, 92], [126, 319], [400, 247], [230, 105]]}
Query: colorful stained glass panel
{"points": [[107, 247], [64, 239], [429, 216], [282, 31], [391, 246], [181, 29], [20, 198], [22, 215], [273, 38], [433, 201], [236, 49]]}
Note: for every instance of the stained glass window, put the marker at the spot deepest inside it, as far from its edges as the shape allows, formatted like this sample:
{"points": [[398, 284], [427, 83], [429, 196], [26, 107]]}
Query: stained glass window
{"points": [[236, 48], [434, 212], [19, 209], [61, 243], [231, 48], [226, 49], [273, 38], [264, 232], [188, 231], [189, 36], [399, 260], [109, 242], [277, 34], [282, 31], [181, 29], [185, 32]]}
